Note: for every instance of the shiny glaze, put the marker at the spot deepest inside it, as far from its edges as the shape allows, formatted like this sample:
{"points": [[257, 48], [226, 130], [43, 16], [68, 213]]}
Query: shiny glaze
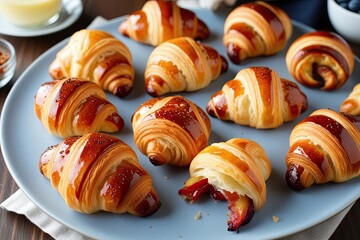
{"points": [[214, 58], [62, 152], [41, 96], [264, 79], [292, 177], [271, 18], [89, 109], [341, 134], [294, 96], [181, 112], [63, 92], [139, 23], [95, 145], [126, 176], [234, 53], [151, 81]]}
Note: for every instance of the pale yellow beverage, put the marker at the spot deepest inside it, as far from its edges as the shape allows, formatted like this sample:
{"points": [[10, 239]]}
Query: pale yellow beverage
{"points": [[30, 12]]}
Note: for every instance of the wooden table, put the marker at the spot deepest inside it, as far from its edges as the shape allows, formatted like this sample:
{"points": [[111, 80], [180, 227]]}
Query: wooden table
{"points": [[13, 226]]}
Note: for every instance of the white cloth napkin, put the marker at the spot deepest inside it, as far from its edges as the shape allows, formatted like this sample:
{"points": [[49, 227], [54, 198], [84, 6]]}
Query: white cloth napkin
{"points": [[20, 204]]}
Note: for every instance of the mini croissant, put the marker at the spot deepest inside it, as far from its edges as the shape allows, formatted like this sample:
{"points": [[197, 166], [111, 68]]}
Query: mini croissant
{"points": [[99, 172], [170, 130], [182, 64], [255, 29], [320, 59], [351, 104], [324, 147], [259, 98], [96, 56], [72, 106], [235, 171], [159, 21]]}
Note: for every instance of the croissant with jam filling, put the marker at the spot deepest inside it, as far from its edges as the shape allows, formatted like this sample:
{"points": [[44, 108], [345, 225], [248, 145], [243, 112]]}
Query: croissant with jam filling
{"points": [[351, 104], [99, 172], [320, 59], [170, 130], [324, 147], [235, 171], [255, 29], [159, 21]]}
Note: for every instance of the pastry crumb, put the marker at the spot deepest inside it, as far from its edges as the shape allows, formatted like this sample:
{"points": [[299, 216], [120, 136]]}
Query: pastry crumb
{"points": [[197, 215], [275, 219]]}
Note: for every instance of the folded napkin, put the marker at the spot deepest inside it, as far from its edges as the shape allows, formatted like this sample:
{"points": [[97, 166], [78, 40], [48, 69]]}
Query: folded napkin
{"points": [[19, 203]]}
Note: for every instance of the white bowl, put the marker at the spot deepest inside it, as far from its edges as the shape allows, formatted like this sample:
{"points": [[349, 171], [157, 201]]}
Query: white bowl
{"points": [[8, 63], [345, 22]]}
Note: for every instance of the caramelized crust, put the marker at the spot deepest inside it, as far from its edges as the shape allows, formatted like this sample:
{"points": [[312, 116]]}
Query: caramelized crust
{"points": [[259, 98], [96, 56], [182, 64], [99, 172], [170, 130], [324, 147], [159, 21], [320, 59], [73, 106], [255, 29]]}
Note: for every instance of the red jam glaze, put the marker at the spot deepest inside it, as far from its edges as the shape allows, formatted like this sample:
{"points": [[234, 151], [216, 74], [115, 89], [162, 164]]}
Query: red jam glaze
{"points": [[320, 50], [246, 30], [153, 80], [91, 108], [233, 51], [149, 205], [194, 191], [95, 145], [294, 96], [271, 18], [179, 111], [292, 177], [64, 91], [263, 76], [340, 133], [220, 104]]}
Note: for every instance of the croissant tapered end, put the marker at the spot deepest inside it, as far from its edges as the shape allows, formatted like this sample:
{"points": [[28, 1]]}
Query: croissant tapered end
{"points": [[351, 104], [202, 31], [155, 86], [324, 147], [99, 172]]}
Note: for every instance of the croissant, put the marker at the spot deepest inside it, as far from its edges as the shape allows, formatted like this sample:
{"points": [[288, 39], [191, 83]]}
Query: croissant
{"points": [[72, 106], [235, 171], [159, 21], [182, 64], [259, 98], [170, 130], [96, 56], [255, 29], [99, 172], [324, 147], [351, 105], [320, 59]]}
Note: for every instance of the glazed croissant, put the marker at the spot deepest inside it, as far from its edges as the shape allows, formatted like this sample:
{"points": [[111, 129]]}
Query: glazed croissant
{"points": [[259, 98], [235, 171], [72, 106], [159, 21], [324, 147], [170, 130], [351, 105], [320, 59], [182, 64], [99, 172], [96, 56], [255, 29]]}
